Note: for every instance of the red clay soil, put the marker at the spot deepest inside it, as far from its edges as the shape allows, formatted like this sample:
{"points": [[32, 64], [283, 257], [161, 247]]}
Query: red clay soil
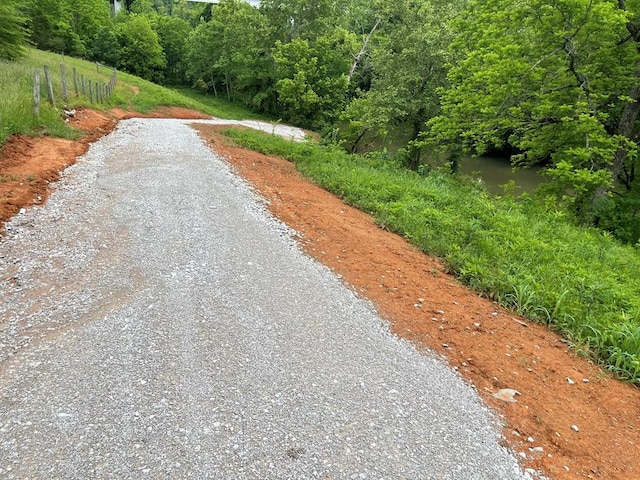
{"points": [[587, 423]]}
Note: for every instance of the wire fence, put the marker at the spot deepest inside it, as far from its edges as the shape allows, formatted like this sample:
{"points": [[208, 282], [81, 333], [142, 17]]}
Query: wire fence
{"points": [[96, 92]]}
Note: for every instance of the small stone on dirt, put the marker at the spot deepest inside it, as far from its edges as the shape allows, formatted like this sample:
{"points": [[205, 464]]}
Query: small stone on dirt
{"points": [[506, 395]]}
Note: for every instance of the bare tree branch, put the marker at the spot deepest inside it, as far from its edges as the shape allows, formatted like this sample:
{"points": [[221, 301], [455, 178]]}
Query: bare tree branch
{"points": [[363, 50]]}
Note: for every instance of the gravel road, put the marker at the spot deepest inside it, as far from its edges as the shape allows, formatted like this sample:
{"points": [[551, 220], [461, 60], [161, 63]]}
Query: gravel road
{"points": [[156, 322]]}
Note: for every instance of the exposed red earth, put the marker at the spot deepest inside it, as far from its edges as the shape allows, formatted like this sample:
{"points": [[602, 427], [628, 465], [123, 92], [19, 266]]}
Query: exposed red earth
{"points": [[587, 423]]}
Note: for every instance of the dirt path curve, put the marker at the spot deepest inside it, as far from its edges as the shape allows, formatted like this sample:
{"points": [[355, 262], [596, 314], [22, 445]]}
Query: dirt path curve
{"points": [[158, 323]]}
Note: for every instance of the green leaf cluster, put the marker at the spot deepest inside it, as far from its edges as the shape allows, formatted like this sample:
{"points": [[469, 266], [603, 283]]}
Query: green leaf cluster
{"points": [[12, 32], [549, 82]]}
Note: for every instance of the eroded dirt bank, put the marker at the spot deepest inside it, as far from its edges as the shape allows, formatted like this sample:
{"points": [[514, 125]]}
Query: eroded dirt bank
{"points": [[585, 422]]}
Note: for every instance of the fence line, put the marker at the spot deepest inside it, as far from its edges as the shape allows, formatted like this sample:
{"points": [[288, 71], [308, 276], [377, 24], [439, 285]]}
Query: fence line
{"points": [[98, 92]]}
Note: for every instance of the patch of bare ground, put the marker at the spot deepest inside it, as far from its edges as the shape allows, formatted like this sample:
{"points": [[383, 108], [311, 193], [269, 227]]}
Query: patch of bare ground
{"points": [[586, 422]]}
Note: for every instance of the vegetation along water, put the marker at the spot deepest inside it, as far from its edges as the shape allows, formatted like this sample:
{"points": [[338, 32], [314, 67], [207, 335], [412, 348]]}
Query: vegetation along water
{"points": [[552, 85]]}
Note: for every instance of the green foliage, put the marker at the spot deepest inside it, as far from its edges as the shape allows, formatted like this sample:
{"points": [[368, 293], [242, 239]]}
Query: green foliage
{"points": [[551, 82], [302, 19], [66, 26], [87, 17], [577, 280], [407, 66], [140, 50], [312, 79], [12, 33], [242, 70], [105, 47], [142, 7], [172, 35]]}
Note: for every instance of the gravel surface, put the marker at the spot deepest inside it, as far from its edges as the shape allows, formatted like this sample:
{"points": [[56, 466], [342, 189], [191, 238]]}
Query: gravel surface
{"points": [[156, 322]]}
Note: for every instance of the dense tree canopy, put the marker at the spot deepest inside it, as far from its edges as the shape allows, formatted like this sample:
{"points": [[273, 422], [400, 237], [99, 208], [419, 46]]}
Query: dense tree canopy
{"points": [[12, 32], [140, 50], [557, 83]]}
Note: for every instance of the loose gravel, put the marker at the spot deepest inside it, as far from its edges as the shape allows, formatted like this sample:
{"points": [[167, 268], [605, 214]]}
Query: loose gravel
{"points": [[156, 322]]}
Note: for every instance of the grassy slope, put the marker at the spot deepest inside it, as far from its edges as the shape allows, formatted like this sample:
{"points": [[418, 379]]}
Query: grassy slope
{"points": [[579, 281], [16, 101]]}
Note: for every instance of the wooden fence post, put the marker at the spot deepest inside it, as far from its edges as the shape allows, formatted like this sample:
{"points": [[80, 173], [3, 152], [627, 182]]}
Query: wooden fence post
{"points": [[90, 92], [47, 77], [84, 88], [63, 75], [36, 93], [75, 81]]}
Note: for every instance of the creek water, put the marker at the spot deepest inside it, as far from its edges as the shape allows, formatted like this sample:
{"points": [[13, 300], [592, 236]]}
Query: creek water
{"points": [[496, 171]]}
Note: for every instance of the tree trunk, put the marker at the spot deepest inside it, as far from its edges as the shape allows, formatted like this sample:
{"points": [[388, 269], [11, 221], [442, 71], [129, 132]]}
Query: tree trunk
{"points": [[354, 147], [625, 128]]}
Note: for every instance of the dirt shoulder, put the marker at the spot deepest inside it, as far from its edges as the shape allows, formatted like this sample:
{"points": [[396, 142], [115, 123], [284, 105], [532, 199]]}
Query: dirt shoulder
{"points": [[586, 423]]}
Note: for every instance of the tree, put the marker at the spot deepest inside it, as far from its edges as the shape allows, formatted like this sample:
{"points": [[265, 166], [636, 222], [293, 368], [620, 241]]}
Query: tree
{"points": [[556, 82], [305, 19], [142, 7], [66, 26], [216, 58], [105, 47], [407, 66], [49, 22], [87, 17], [12, 33], [192, 12], [312, 79], [140, 50], [172, 35]]}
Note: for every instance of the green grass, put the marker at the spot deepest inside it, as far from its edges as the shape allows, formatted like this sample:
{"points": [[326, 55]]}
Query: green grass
{"points": [[578, 281], [220, 107], [16, 105], [16, 101]]}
